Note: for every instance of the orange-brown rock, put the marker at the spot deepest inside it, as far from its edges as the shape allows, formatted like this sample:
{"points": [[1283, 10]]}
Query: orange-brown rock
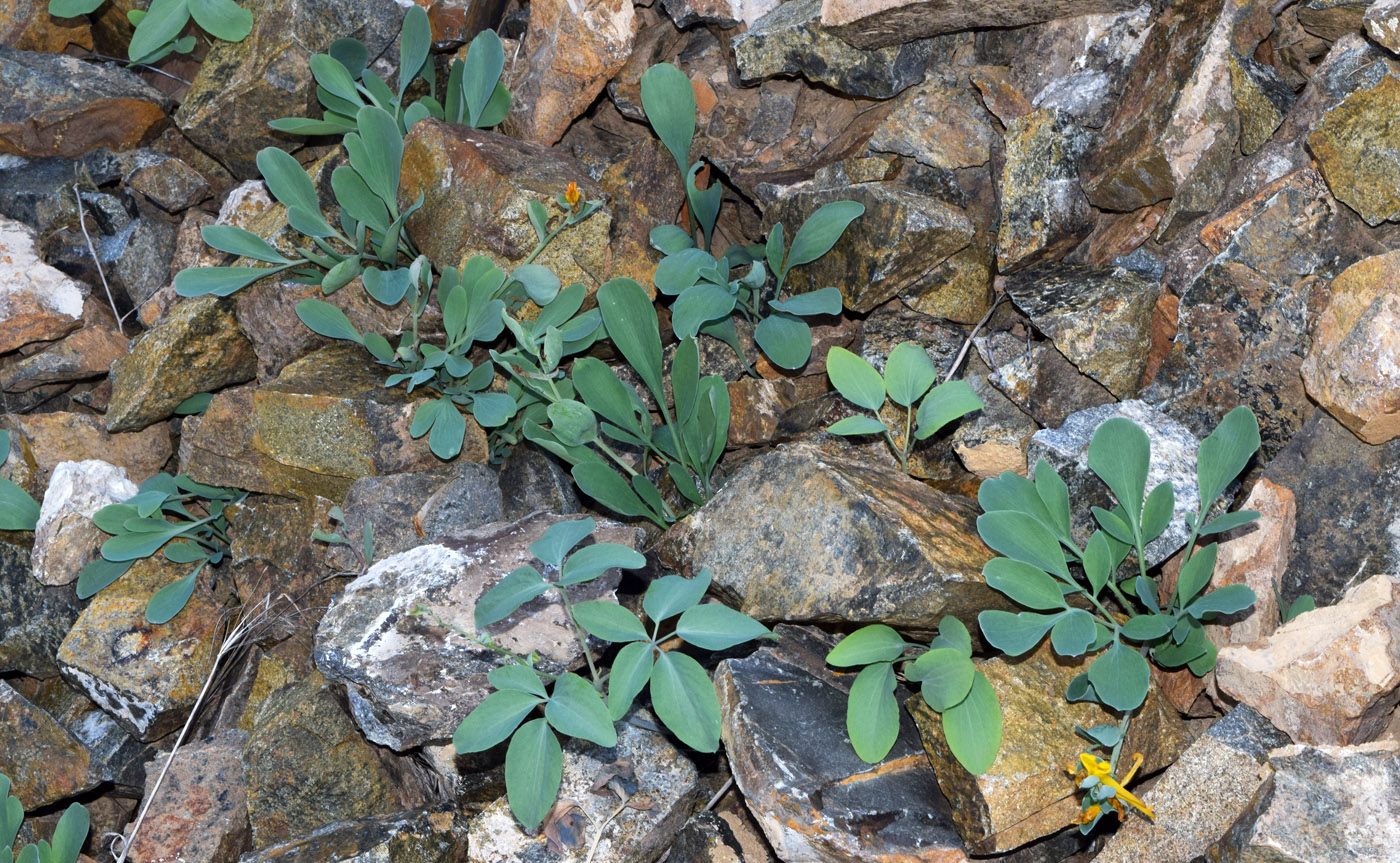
{"points": [[28, 26], [57, 437], [44, 761]]}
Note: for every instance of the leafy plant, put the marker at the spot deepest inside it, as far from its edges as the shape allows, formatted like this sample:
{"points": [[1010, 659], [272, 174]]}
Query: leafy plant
{"points": [[948, 682], [18, 511], [682, 694], [909, 374], [68, 836], [710, 291], [364, 551], [158, 27], [166, 508]]}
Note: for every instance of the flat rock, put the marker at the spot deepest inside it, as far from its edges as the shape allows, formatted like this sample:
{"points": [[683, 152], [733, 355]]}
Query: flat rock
{"points": [[1038, 379], [725, 13], [785, 733], [1199, 798], [436, 835], [1044, 211], [28, 26], [410, 681], [44, 761], [1352, 143], [1258, 558], [801, 535], [720, 837], [58, 105], [408, 509], [532, 480], [53, 438], [1026, 793], [65, 539], [663, 777], [938, 123], [33, 618], [87, 353], [1382, 23], [1262, 98], [1329, 676], [37, 302], [146, 675], [645, 190], [873, 23], [200, 812]]}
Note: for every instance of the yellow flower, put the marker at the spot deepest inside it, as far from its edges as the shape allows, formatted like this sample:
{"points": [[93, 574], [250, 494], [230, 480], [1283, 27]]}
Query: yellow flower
{"points": [[1103, 771], [571, 195]]}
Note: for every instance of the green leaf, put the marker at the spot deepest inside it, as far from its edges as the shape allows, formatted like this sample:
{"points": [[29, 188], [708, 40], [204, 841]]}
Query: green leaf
{"points": [[1013, 492], [952, 634], [18, 511], [972, 728], [497, 107], [1113, 525], [704, 203], [383, 151], [1157, 511], [717, 627], [219, 281], [340, 275], [1120, 676], [669, 102], [603, 391], [534, 771], [171, 599], [502, 600], [1098, 562], [1195, 573], [492, 410], [1025, 584], [355, 197], [236, 241], [671, 594], [945, 403], [576, 709], [874, 643], [826, 301], [184, 552], [493, 720], [855, 379], [604, 485], [484, 62], [195, 404], [325, 319], [631, 669], [304, 126], [100, 573], [559, 537], [1015, 634], [519, 678], [331, 74], [287, 180], [1073, 634], [684, 699], [593, 560], [449, 430], [821, 231], [572, 422], [631, 323], [223, 19], [609, 621], [945, 677], [415, 39], [1301, 605], [1229, 521], [1229, 599], [908, 373], [541, 285], [70, 834], [1119, 454], [1053, 492], [697, 306], [872, 712], [680, 271], [131, 546], [69, 9], [785, 339], [1225, 452], [1023, 538], [163, 22], [1147, 627], [857, 425]]}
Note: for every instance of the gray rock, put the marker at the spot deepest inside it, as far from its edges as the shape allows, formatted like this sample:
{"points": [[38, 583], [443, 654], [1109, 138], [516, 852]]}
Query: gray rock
{"points": [[532, 480], [410, 681], [33, 618], [117, 757], [1382, 23], [894, 22], [1044, 211], [389, 503], [470, 499], [65, 539], [1038, 379], [720, 837], [169, 183], [1173, 460], [37, 302], [437, 835], [39, 191]]}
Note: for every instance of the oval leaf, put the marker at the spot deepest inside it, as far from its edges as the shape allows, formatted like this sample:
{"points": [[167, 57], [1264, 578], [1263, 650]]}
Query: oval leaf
{"points": [[576, 709], [631, 669], [717, 627], [874, 643], [511, 592], [608, 621], [973, 727], [1120, 677], [534, 771], [946, 677], [684, 699], [872, 712], [855, 379], [1027, 585], [821, 231], [493, 720]]}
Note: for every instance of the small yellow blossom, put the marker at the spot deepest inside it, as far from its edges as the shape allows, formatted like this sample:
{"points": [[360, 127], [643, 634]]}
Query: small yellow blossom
{"points": [[1103, 771], [572, 196]]}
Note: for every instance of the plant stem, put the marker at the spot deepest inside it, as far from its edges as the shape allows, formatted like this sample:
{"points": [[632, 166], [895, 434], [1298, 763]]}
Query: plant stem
{"points": [[1118, 747], [582, 638]]}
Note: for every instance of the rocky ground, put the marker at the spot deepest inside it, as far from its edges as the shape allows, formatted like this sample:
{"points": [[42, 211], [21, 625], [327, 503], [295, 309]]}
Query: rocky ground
{"points": [[1158, 211]]}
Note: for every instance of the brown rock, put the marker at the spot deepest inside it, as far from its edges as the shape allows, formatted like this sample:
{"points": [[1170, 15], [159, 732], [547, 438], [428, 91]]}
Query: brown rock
{"points": [[1118, 234], [1256, 557], [28, 26], [1382, 23], [999, 93], [87, 353], [995, 438], [1044, 211], [645, 189], [1038, 379], [756, 408], [456, 21], [37, 302], [1352, 143], [200, 813], [1332, 19], [58, 437], [1329, 676], [874, 23], [44, 761]]}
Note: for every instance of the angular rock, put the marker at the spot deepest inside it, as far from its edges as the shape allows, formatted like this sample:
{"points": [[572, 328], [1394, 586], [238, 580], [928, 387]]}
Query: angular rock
{"points": [[645, 191], [1353, 142], [53, 438], [868, 24], [1044, 211], [1329, 676], [117, 757], [44, 761], [939, 124], [995, 438], [241, 86], [87, 353], [720, 837], [756, 408], [60, 106], [409, 681], [197, 348], [170, 184], [1199, 798], [1382, 23], [437, 835], [146, 676], [1038, 379], [800, 535], [1173, 460], [725, 13], [1100, 319], [1332, 19], [200, 813], [33, 618], [812, 795], [532, 480], [663, 777], [570, 52], [791, 40], [1026, 793], [1256, 557], [37, 302], [1262, 99], [28, 26], [482, 209], [66, 540], [407, 509]]}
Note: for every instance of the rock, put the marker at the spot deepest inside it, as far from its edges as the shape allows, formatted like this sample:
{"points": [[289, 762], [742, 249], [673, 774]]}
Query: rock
{"points": [[66, 540], [200, 812], [306, 766], [409, 509], [87, 353], [197, 348], [1351, 143], [28, 26], [437, 835], [995, 438], [570, 52], [410, 682], [1038, 379], [54, 438], [326, 421], [645, 190], [1026, 793], [146, 676], [1256, 557], [1351, 368], [60, 106], [756, 408], [785, 732], [1331, 675], [37, 302], [725, 13], [1100, 319], [1262, 99], [1173, 460], [801, 535], [33, 618], [1199, 798], [1332, 19], [482, 210], [241, 86], [117, 757], [39, 192], [938, 123], [44, 761], [663, 777], [532, 480], [170, 184], [720, 837], [791, 40], [1382, 23], [1044, 211], [1325, 802], [891, 22]]}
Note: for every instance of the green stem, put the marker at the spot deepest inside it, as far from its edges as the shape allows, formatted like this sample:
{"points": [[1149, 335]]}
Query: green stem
{"points": [[1118, 747], [582, 638]]}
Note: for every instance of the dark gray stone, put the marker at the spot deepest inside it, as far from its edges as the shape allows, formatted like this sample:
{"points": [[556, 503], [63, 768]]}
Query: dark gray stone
{"points": [[33, 618], [532, 480]]}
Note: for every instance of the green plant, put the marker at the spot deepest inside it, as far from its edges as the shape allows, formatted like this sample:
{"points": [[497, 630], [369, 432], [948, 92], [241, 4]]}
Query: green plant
{"points": [[948, 681], [364, 551], [68, 836], [1300, 605], [155, 517], [18, 511], [909, 374], [158, 27], [710, 291], [682, 694]]}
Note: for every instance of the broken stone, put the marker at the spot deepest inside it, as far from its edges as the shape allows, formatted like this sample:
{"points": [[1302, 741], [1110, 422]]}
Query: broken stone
{"points": [[1038, 379], [53, 438], [725, 13], [87, 353], [408, 509], [44, 761], [1353, 142], [1044, 211], [1262, 99], [1256, 557], [868, 24], [995, 438], [200, 812], [437, 835], [1332, 19], [720, 837], [33, 618], [1382, 23], [65, 539], [37, 302], [532, 480], [28, 26]]}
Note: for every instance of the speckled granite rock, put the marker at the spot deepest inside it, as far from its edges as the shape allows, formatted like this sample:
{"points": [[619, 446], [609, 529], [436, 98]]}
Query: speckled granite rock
{"points": [[53, 438], [44, 761], [33, 618], [436, 835], [65, 539], [200, 812], [1038, 379], [939, 124], [1044, 211], [890, 22], [1353, 142]]}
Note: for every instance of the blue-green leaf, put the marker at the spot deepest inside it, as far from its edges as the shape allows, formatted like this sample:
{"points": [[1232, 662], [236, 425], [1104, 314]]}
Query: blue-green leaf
{"points": [[576, 709], [872, 712], [972, 727], [534, 770], [874, 643]]}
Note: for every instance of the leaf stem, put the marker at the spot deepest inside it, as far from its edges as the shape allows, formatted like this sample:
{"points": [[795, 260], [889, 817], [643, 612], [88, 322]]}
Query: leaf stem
{"points": [[582, 638]]}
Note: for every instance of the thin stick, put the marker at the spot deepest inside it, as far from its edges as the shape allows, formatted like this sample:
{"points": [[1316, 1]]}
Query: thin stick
{"points": [[962, 354], [602, 828], [146, 66], [82, 223], [723, 790]]}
